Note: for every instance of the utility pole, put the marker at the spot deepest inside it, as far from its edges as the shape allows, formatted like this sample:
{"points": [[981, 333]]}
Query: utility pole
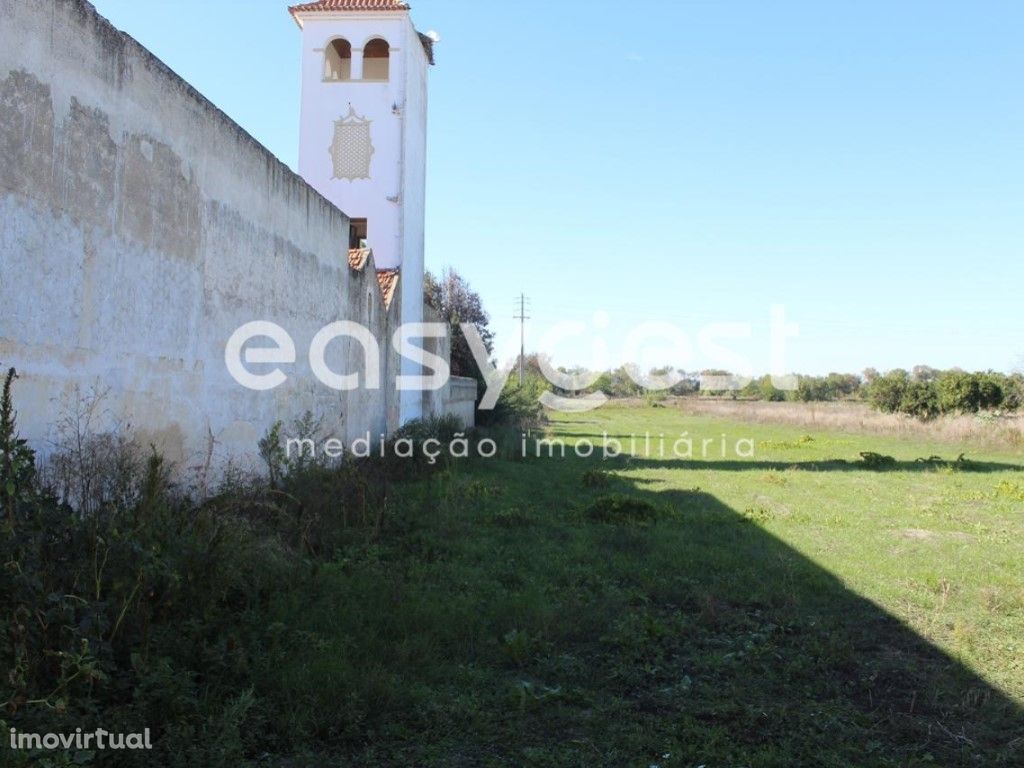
{"points": [[522, 317]]}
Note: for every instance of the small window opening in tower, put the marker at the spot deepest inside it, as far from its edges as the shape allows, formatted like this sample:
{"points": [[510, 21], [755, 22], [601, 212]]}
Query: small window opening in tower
{"points": [[369, 309], [357, 233], [338, 60], [376, 60]]}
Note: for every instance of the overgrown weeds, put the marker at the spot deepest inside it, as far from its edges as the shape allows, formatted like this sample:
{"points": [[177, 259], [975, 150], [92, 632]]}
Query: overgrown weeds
{"points": [[125, 604], [17, 462]]}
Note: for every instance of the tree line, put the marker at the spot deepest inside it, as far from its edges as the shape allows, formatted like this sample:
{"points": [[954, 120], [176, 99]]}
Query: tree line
{"points": [[923, 392]]}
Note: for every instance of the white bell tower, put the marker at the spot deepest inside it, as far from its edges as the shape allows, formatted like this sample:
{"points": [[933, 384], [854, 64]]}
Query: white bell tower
{"points": [[363, 133]]}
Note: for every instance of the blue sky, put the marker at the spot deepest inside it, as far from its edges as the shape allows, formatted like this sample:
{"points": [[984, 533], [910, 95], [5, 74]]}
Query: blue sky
{"points": [[861, 164]]}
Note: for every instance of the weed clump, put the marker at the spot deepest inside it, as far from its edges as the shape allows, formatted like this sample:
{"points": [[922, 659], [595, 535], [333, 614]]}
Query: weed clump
{"points": [[17, 462], [595, 478], [801, 442], [513, 517], [619, 509], [127, 604], [1010, 490], [962, 463], [872, 460]]}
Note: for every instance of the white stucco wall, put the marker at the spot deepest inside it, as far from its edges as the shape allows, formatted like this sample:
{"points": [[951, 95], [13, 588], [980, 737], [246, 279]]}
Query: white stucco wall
{"points": [[392, 199], [414, 171], [140, 228], [461, 400], [458, 395]]}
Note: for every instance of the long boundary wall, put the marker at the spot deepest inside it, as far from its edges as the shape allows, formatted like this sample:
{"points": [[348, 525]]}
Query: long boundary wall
{"points": [[140, 228]]}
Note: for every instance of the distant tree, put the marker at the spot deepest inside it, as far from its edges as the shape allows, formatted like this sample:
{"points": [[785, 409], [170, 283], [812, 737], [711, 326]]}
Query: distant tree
{"points": [[925, 374], [520, 406], [1013, 398], [927, 392], [843, 385], [921, 400], [453, 299], [958, 392], [835, 386], [991, 389], [618, 382], [623, 382], [768, 391], [886, 393], [810, 389], [709, 377], [688, 383], [602, 384]]}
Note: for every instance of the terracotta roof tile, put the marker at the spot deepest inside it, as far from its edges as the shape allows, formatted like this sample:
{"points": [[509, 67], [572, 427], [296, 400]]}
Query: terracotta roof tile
{"points": [[357, 257], [388, 279], [350, 5]]}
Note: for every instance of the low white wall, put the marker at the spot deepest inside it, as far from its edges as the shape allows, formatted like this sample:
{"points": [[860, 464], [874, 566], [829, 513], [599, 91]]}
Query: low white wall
{"points": [[141, 227], [462, 399], [458, 395]]}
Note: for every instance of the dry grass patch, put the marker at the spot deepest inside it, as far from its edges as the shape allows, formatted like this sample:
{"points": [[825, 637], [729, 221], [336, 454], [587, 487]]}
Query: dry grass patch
{"points": [[988, 430]]}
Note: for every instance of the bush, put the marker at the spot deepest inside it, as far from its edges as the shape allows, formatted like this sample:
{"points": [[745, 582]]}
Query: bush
{"points": [[920, 400], [596, 478], [17, 462], [930, 393], [1013, 392], [768, 391], [619, 509], [958, 392], [873, 460], [763, 389], [886, 393], [414, 435], [834, 386], [135, 617], [991, 388], [518, 406], [617, 383]]}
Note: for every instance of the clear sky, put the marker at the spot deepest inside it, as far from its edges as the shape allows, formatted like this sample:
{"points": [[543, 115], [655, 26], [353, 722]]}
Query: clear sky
{"points": [[861, 163]]}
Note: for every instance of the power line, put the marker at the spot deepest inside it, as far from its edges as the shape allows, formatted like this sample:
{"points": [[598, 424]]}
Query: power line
{"points": [[522, 317]]}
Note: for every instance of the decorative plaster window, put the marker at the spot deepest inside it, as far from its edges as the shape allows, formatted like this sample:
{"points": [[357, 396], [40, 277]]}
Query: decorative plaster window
{"points": [[351, 149], [376, 60], [338, 60]]}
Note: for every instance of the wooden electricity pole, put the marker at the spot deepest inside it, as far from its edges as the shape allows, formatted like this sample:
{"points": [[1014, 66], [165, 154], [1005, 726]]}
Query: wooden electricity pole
{"points": [[522, 317]]}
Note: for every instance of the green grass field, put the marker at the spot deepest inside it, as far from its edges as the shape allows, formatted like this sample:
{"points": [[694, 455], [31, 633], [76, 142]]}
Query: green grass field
{"points": [[793, 608]]}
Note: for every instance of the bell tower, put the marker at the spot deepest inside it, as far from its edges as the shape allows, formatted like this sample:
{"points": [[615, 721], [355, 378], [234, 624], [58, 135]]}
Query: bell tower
{"points": [[363, 134]]}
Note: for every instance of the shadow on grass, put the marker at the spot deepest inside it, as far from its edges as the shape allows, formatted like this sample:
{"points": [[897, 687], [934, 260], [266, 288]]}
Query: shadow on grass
{"points": [[497, 624], [825, 465], [780, 663], [660, 454]]}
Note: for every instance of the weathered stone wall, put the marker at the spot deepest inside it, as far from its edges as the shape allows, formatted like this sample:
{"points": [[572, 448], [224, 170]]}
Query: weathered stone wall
{"points": [[140, 228]]}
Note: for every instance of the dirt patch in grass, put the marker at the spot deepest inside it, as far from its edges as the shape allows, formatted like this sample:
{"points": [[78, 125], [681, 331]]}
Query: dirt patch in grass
{"points": [[918, 534]]}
